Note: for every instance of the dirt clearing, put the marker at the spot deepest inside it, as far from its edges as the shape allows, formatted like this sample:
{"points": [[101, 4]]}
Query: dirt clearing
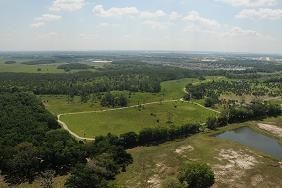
{"points": [[271, 128], [235, 164]]}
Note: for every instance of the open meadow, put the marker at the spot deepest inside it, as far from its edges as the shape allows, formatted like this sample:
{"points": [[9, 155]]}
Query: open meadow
{"points": [[170, 90], [135, 119]]}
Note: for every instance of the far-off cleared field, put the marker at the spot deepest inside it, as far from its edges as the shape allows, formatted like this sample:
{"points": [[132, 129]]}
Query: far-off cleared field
{"points": [[136, 119]]}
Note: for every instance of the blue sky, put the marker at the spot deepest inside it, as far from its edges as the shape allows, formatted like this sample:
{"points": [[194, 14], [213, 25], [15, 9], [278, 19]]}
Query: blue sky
{"points": [[188, 25]]}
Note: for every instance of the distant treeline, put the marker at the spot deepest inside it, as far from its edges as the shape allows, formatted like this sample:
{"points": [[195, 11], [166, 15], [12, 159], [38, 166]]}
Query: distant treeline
{"points": [[73, 66], [10, 62], [39, 62], [142, 77]]}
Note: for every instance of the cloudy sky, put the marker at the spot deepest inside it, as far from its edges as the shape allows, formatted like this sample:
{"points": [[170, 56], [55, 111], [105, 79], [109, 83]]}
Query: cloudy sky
{"points": [[188, 25]]}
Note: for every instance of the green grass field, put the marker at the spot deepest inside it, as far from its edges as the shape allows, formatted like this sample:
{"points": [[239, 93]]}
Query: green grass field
{"points": [[170, 90], [58, 104], [48, 68], [18, 67], [234, 165], [131, 119]]}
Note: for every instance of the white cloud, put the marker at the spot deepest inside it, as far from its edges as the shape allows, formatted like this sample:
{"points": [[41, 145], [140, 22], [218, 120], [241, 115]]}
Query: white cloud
{"points": [[88, 36], [100, 11], [196, 21], [174, 16], [249, 3], [42, 20], [67, 5], [154, 24], [237, 31], [150, 15], [271, 14], [37, 24], [127, 11], [48, 18], [46, 35]]}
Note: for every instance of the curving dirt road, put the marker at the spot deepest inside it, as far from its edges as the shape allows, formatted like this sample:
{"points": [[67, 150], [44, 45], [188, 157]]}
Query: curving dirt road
{"points": [[64, 125]]}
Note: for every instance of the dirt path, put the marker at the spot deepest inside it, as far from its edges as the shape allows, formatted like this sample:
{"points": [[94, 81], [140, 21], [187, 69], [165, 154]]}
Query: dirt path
{"points": [[64, 125]]}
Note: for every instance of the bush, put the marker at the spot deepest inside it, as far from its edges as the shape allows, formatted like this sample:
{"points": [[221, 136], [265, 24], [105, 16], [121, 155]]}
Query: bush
{"points": [[196, 175]]}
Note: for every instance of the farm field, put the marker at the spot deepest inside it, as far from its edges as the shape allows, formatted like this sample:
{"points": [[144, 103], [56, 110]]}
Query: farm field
{"points": [[135, 119], [234, 164]]}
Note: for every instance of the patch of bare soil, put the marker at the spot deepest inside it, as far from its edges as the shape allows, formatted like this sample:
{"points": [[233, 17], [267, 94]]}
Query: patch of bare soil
{"points": [[256, 180], [183, 149], [233, 167], [161, 171], [271, 128]]}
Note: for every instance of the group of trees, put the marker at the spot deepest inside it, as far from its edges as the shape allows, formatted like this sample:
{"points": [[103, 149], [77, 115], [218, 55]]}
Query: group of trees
{"points": [[31, 141], [111, 100], [242, 113], [238, 87], [107, 157], [74, 66]]}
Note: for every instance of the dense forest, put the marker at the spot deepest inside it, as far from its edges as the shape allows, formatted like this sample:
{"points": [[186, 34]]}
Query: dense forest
{"points": [[31, 140]]}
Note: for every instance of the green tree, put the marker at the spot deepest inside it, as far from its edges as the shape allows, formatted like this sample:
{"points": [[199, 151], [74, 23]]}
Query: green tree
{"points": [[85, 177], [196, 175]]}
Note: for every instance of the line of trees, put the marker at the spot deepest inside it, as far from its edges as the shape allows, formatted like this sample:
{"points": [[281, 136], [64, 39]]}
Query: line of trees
{"points": [[242, 113]]}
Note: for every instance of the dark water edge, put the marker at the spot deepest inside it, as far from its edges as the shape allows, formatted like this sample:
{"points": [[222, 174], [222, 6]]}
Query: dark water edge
{"points": [[248, 137]]}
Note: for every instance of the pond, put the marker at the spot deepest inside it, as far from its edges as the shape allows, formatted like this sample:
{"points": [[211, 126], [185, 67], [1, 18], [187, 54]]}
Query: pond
{"points": [[250, 138]]}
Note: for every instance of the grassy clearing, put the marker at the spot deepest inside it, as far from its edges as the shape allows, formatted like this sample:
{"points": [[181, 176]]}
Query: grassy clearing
{"points": [[58, 104], [135, 119], [47, 68], [234, 165], [18, 67]]}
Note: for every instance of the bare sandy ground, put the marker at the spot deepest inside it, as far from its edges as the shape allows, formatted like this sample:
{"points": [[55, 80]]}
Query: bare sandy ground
{"points": [[271, 128], [235, 164]]}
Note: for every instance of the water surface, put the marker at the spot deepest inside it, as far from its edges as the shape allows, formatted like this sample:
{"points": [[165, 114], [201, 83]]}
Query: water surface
{"points": [[250, 138]]}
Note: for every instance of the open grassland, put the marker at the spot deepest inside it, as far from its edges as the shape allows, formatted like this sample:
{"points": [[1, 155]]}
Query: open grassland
{"points": [[18, 67], [58, 104], [234, 165], [42, 68], [170, 90], [135, 119]]}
